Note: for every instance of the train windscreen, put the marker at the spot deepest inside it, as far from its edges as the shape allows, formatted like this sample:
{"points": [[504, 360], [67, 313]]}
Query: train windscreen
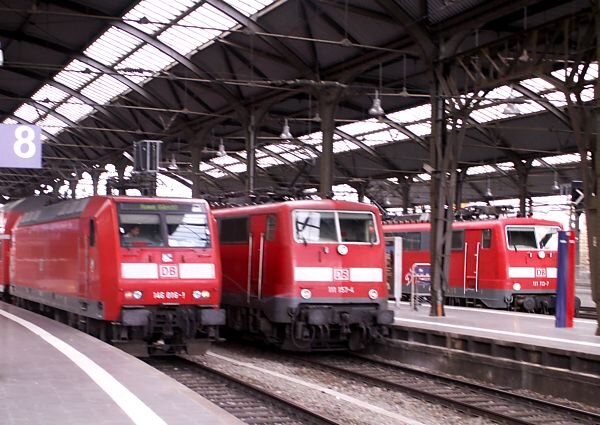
{"points": [[532, 237], [140, 230], [188, 230], [334, 227]]}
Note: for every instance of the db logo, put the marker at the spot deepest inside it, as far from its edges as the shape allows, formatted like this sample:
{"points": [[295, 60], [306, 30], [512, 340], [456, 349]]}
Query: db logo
{"points": [[341, 274], [168, 271], [540, 272]]}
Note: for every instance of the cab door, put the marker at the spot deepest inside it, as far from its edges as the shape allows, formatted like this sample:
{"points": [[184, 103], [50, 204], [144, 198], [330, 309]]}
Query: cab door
{"points": [[258, 226], [472, 250]]}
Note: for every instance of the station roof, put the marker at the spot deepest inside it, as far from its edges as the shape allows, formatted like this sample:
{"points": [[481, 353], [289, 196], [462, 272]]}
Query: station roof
{"points": [[98, 76]]}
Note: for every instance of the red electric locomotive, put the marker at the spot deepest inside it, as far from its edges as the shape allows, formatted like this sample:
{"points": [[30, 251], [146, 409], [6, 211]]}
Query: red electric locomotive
{"points": [[499, 263], [305, 275], [142, 273], [9, 215]]}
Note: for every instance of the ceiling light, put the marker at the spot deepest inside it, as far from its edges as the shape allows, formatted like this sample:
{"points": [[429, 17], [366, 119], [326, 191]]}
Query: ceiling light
{"points": [[511, 108], [286, 134], [488, 192], [173, 163], [404, 92], [555, 185], [524, 56], [221, 151], [376, 110]]}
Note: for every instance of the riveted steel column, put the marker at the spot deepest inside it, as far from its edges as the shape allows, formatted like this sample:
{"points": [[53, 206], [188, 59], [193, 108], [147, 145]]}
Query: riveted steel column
{"points": [[327, 104], [591, 189], [95, 174], [197, 142], [438, 224], [250, 128]]}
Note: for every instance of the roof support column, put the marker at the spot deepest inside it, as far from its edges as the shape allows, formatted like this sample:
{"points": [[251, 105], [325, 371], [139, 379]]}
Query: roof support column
{"points": [[591, 187], [73, 185], [523, 192], [438, 224], [251, 120], [405, 182], [95, 175], [444, 152], [328, 99], [197, 143]]}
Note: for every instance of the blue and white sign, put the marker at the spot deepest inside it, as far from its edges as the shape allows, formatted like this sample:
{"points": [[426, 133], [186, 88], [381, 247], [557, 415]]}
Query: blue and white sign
{"points": [[20, 146]]}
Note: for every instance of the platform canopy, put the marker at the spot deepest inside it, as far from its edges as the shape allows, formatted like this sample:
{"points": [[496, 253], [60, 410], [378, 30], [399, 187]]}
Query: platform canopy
{"points": [[97, 76]]}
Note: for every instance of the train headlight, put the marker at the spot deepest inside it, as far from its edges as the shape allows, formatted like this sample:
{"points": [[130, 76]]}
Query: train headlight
{"points": [[342, 249], [517, 286], [197, 295], [205, 294], [137, 295], [306, 293], [373, 294], [541, 254]]}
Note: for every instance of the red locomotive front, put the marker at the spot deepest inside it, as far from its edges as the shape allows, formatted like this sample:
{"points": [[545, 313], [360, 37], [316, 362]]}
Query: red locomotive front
{"points": [[305, 275], [500, 263], [143, 273]]}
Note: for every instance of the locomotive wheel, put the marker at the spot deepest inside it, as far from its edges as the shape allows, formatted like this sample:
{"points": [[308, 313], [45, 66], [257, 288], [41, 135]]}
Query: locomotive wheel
{"points": [[355, 341]]}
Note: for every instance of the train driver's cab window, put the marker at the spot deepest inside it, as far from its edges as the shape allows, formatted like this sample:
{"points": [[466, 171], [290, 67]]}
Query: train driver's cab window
{"points": [[357, 227], [532, 237], [188, 230], [315, 226], [333, 226], [486, 238], [140, 230]]}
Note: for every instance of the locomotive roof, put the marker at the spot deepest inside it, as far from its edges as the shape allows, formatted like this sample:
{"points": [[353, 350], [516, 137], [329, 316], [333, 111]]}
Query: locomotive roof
{"points": [[320, 204], [502, 221]]}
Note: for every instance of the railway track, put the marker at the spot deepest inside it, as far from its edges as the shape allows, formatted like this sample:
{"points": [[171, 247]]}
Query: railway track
{"points": [[245, 401], [487, 402], [587, 313]]}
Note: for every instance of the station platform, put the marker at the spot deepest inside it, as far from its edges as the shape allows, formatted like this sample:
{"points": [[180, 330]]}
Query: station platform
{"points": [[512, 350], [524, 328], [53, 374]]}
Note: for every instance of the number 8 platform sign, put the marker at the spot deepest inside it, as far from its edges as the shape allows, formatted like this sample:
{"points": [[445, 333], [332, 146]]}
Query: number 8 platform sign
{"points": [[20, 146]]}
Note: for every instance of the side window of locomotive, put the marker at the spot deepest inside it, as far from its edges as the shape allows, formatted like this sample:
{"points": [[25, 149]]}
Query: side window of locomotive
{"points": [[188, 230], [357, 227], [411, 241], [486, 238], [140, 230], [458, 240], [92, 236], [271, 223], [314, 226], [233, 230]]}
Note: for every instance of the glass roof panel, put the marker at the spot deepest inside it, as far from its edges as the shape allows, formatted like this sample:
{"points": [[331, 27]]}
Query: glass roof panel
{"points": [[104, 89], [76, 74], [50, 94], [51, 124], [315, 138], [344, 146], [420, 129], [74, 109], [237, 168], [505, 166], [144, 63], [424, 177], [204, 166], [480, 169], [590, 75], [562, 159], [418, 113], [196, 29], [362, 127], [224, 160], [111, 46], [268, 161], [216, 173], [537, 85], [249, 7], [28, 113], [158, 12]]}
